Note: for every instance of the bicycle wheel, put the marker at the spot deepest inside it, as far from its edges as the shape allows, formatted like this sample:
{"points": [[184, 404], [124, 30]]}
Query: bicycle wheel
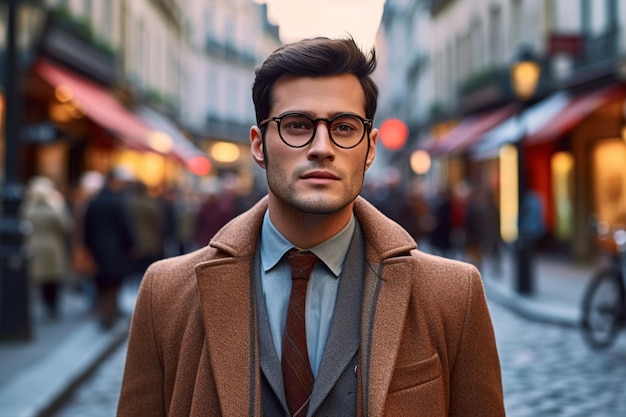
{"points": [[603, 307]]}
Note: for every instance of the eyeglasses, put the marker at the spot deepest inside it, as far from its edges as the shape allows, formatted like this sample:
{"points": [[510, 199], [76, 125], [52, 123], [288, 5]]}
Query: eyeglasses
{"points": [[346, 130]]}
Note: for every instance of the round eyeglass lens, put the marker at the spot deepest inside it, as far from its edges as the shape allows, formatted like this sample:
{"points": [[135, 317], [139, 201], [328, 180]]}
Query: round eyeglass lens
{"points": [[347, 130]]}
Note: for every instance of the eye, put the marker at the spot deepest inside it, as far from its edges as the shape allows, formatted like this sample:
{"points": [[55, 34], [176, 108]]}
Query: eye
{"points": [[297, 124], [346, 125]]}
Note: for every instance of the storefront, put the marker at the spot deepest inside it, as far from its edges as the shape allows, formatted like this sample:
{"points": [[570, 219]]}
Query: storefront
{"points": [[572, 147], [78, 117]]}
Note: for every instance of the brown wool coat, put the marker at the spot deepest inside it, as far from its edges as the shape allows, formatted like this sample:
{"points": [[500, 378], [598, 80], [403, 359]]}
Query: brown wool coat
{"points": [[429, 340]]}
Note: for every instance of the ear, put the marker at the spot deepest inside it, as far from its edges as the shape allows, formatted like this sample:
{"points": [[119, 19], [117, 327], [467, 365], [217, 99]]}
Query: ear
{"points": [[371, 154], [256, 146]]}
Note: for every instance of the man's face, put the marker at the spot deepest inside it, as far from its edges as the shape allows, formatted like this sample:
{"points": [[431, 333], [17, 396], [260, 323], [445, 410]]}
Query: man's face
{"points": [[319, 178]]}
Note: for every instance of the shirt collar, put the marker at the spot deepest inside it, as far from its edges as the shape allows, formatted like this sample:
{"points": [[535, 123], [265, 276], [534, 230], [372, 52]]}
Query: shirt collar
{"points": [[332, 251]]}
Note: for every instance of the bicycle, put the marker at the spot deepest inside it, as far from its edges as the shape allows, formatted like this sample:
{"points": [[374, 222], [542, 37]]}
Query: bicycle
{"points": [[604, 300]]}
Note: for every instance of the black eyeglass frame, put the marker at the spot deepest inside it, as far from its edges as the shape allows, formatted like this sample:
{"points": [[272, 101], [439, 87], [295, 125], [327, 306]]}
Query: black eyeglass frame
{"points": [[367, 127]]}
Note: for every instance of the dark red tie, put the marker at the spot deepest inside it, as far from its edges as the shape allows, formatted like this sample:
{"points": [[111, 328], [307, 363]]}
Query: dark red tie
{"points": [[297, 375]]}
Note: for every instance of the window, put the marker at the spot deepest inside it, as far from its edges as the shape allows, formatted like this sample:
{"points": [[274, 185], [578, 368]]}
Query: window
{"points": [[495, 36], [516, 22], [88, 9]]}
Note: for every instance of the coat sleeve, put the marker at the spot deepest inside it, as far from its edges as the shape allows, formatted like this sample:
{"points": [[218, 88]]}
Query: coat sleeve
{"points": [[476, 383], [142, 391]]}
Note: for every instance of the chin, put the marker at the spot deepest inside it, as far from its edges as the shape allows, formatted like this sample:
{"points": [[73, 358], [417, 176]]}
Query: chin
{"points": [[322, 205]]}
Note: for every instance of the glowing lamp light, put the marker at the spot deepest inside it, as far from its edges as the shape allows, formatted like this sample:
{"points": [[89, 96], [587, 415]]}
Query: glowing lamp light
{"points": [[199, 165], [420, 162], [160, 142], [525, 74], [63, 93], [225, 152], [509, 203], [393, 134]]}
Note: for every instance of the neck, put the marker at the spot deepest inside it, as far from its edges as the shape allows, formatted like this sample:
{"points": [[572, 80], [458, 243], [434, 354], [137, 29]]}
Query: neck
{"points": [[306, 230]]}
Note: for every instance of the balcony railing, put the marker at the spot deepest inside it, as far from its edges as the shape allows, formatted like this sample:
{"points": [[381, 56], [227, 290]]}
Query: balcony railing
{"points": [[228, 51], [600, 48]]}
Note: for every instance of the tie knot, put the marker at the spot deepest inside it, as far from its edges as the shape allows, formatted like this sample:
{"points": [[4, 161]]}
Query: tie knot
{"points": [[301, 263]]}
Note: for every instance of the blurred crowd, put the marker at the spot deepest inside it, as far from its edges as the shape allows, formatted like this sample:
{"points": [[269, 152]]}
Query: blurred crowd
{"points": [[110, 228], [460, 223]]}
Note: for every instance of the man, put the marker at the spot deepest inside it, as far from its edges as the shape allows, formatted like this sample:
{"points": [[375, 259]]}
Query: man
{"points": [[108, 235], [389, 330]]}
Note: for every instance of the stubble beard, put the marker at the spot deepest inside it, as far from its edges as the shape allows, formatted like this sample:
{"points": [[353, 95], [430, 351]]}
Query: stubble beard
{"points": [[319, 202]]}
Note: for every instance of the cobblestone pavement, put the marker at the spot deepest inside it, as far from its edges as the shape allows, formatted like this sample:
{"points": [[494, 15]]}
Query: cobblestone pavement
{"points": [[547, 371], [97, 396]]}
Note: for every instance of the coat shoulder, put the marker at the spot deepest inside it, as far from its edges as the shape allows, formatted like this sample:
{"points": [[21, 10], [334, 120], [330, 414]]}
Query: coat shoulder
{"points": [[446, 279], [179, 271]]}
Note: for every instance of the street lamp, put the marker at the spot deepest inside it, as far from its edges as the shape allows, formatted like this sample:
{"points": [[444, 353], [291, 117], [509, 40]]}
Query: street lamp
{"points": [[525, 74], [14, 306]]}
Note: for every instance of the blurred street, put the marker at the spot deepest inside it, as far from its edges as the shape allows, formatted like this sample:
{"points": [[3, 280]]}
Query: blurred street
{"points": [[547, 369]]}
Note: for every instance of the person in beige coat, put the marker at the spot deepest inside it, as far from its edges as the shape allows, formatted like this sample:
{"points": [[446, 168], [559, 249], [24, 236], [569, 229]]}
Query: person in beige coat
{"points": [[47, 241], [390, 330]]}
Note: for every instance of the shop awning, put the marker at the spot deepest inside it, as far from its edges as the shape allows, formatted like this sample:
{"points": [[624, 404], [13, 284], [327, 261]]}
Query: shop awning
{"points": [[468, 132], [577, 109], [511, 130], [167, 138], [98, 104], [547, 120]]}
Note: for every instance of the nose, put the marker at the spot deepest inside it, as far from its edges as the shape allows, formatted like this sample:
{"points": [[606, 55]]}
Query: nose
{"points": [[322, 146]]}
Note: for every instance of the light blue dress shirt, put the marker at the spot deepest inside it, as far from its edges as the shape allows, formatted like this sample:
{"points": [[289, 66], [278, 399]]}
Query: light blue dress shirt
{"points": [[321, 290]]}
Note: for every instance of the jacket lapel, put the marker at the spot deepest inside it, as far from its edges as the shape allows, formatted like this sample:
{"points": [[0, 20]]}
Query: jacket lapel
{"points": [[344, 336], [270, 363]]}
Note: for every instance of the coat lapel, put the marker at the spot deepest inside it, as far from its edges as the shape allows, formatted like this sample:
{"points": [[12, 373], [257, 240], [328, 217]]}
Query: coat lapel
{"points": [[386, 293], [228, 309], [229, 317], [385, 306]]}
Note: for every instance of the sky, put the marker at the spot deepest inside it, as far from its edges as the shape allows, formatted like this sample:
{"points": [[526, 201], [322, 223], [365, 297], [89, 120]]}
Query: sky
{"points": [[299, 19]]}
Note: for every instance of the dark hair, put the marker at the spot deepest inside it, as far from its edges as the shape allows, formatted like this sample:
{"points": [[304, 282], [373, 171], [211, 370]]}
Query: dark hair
{"points": [[316, 57]]}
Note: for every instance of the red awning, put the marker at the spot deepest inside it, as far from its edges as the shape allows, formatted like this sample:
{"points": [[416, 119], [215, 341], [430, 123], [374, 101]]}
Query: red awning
{"points": [[577, 109], [179, 146], [469, 131], [98, 104]]}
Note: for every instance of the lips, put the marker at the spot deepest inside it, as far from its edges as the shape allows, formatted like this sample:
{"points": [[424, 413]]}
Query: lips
{"points": [[324, 175]]}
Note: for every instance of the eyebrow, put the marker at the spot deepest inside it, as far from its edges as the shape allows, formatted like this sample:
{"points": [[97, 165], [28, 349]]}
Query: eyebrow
{"points": [[327, 116]]}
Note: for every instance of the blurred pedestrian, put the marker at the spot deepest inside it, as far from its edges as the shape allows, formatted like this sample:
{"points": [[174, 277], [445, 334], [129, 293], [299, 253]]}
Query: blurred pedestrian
{"points": [[50, 225], [186, 212], [492, 238], [440, 236], [217, 209], [395, 202], [109, 236], [83, 265], [149, 222], [167, 197], [475, 226], [422, 214], [458, 211]]}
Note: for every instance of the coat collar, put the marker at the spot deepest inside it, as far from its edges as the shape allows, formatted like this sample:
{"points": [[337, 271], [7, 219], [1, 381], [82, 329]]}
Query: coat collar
{"points": [[385, 238]]}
